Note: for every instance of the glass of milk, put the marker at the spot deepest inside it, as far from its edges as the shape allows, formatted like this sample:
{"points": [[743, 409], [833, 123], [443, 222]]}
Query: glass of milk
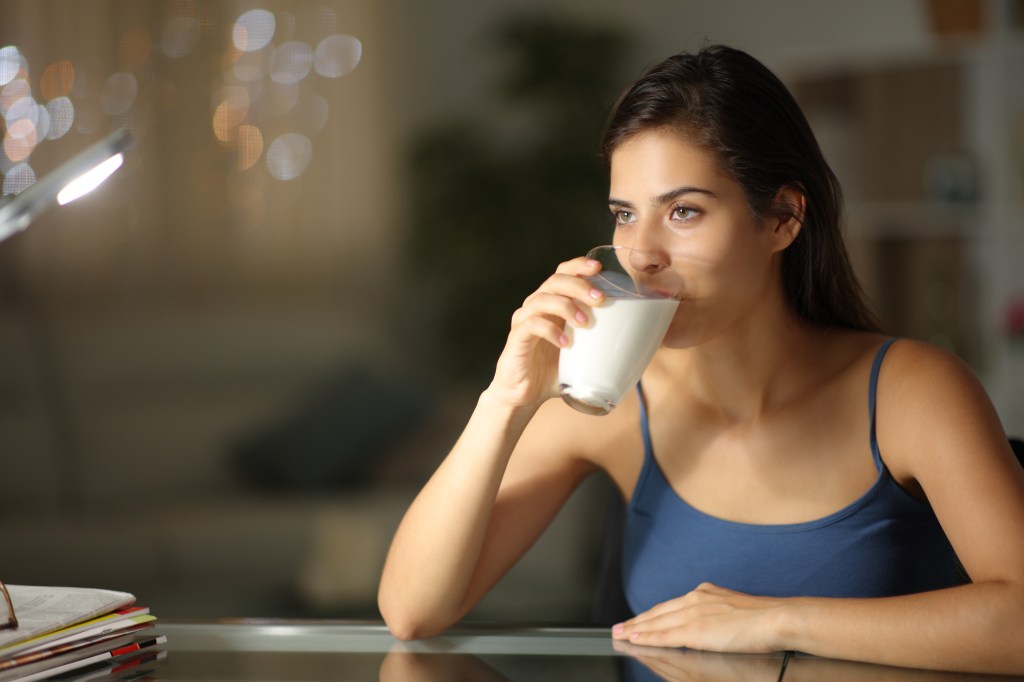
{"points": [[605, 359]]}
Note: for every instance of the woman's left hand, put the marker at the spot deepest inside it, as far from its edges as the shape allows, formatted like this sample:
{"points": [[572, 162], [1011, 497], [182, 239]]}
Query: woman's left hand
{"points": [[709, 618]]}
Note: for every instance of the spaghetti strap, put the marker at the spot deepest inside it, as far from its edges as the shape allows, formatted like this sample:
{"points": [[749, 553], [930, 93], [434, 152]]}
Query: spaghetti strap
{"points": [[648, 464], [872, 390], [645, 430]]}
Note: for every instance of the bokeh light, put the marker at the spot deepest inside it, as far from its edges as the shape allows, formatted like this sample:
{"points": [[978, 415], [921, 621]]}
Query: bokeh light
{"points": [[42, 120], [265, 87], [250, 146], [291, 62], [57, 80], [20, 140], [265, 69], [337, 55], [253, 30], [19, 178], [10, 64], [119, 93], [22, 107], [135, 48], [230, 113], [62, 117], [288, 156], [23, 115], [12, 93]]}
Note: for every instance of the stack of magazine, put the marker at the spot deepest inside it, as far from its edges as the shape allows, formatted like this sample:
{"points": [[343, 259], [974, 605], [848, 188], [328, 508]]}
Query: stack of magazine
{"points": [[78, 633]]}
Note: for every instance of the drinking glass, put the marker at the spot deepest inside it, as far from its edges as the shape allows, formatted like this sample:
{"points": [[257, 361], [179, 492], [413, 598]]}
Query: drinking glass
{"points": [[606, 358]]}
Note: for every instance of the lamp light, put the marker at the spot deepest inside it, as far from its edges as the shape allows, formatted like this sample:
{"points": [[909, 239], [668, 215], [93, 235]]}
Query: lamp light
{"points": [[78, 176]]}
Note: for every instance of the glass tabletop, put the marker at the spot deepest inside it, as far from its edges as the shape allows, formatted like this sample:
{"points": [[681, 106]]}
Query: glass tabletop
{"points": [[314, 651], [275, 650]]}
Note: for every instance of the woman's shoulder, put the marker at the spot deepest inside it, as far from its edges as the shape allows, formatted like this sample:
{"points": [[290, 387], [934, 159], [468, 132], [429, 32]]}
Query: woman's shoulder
{"points": [[920, 371], [931, 405], [909, 363], [915, 381]]}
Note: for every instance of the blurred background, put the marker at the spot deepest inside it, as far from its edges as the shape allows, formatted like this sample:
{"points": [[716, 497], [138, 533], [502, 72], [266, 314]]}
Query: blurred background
{"points": [[225, 373]]}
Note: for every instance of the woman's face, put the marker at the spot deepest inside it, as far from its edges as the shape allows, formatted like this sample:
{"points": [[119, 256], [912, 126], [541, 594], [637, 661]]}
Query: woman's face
{"points": [[670, 197]]}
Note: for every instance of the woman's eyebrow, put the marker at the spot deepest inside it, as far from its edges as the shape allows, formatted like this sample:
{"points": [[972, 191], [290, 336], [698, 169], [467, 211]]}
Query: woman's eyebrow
{"points": [[674, 194], [665, 197]]}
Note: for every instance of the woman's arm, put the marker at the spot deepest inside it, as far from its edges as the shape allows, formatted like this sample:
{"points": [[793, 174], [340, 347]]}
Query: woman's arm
{"points": [[936, 430], [478, 514], [972, 628], [502, 482]]}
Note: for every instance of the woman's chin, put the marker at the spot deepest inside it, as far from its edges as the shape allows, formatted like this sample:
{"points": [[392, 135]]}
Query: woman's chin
{"points": [[679, 339]]}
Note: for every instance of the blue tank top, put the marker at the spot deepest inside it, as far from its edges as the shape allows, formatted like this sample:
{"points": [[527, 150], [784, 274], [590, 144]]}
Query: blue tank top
{"points": [[885, 543]]}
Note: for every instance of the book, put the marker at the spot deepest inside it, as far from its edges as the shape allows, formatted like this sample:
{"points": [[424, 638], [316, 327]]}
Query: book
{"points": [[75, 630], [141, 664], [68, 645], [111, 622], [45, 611], [117, 648]]}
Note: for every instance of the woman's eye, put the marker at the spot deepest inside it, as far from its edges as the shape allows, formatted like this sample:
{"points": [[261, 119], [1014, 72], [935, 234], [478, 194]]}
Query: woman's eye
{"points": [[623, 217], [684, 214]]}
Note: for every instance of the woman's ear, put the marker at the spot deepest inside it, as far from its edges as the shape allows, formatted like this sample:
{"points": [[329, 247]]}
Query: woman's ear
{"points": [[790, 205]]}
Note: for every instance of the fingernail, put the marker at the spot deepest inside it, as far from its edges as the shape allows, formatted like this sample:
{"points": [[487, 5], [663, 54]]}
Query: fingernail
{"points": [[618, 628], [596, 294], [634, 636], [581, 317], [563, 340], [591, 262]]}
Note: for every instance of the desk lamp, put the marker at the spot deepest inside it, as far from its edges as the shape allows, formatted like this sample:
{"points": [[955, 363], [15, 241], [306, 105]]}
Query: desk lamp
{"points": [[72, 179]]}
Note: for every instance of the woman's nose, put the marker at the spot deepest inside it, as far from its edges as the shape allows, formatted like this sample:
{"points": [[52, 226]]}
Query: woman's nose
{"points": [[649, 253], [645, 260]]}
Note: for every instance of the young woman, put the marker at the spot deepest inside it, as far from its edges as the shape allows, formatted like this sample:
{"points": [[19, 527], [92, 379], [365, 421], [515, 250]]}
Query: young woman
{"points": [[795, 480]]}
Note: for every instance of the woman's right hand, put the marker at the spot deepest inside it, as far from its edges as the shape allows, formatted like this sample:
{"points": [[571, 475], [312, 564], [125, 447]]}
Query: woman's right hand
{"points": [[527, 370]]}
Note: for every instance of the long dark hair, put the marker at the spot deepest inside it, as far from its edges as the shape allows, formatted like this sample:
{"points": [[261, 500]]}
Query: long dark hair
{"points": [[727, 102]]}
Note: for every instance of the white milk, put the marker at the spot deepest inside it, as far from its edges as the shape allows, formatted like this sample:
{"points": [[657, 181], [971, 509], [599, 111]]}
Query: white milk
{"points": [[605, 359]]}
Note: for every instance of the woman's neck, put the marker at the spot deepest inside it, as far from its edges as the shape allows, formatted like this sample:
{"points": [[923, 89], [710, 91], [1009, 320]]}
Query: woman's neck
{"points": [[746, 371]]}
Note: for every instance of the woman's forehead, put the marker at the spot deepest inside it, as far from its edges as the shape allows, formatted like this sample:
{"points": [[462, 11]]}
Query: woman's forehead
{"points": [[653, 162]]}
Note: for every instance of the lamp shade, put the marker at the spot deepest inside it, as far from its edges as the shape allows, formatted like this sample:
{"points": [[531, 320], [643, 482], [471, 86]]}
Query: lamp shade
{"points": [[75, 177]]}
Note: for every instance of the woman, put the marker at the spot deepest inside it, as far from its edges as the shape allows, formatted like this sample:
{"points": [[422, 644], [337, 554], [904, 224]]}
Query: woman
{"points": [[795, 480]]}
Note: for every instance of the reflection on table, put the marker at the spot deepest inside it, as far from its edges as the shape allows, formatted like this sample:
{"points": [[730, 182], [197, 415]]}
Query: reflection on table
{"points": [[284, 650]]}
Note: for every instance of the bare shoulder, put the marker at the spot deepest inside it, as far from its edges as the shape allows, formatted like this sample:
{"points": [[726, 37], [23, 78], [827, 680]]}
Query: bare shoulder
{"points": [[924, 382], [931, 406]]}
